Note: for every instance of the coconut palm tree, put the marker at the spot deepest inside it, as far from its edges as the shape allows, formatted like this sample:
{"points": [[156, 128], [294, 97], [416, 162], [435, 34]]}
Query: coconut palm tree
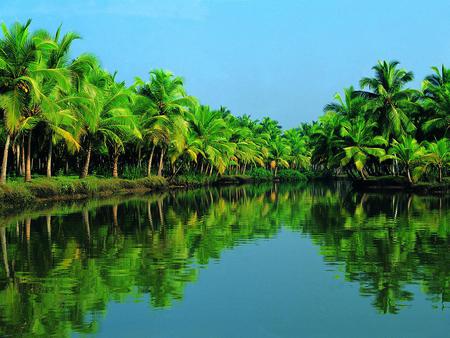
{"points": [[326, 141], [389, 103], [436, 89], [104, 117], [167, 97], [279, 154], [360, 143], [410, 154], [18, 54], [300, 154], [439, 155], [350, 106], [214, 134]]}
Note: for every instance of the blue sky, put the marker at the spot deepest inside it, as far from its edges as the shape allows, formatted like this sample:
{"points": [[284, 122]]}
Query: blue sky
{"points": [[284, 58]]}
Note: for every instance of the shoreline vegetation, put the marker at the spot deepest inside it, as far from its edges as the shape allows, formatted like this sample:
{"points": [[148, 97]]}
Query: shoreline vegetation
{"points": [[69, 128]]}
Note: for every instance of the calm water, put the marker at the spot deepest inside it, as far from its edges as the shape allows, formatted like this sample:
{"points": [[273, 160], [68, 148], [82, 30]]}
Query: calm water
{"points": [[254, 261]]}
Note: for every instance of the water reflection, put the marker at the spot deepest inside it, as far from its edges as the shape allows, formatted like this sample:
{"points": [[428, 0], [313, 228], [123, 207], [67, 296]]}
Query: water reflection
{"points": [[61, 267]]}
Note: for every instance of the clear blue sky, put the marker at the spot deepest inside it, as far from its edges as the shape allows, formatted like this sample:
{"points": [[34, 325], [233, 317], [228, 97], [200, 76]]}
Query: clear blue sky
{"points": [[284, 58]]}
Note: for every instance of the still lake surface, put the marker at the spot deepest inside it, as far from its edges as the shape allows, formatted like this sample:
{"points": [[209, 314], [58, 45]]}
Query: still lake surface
{"points": [[311, 260]]}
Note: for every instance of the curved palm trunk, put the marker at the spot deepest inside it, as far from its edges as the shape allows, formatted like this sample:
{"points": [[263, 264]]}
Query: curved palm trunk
{"points": [[161, 162], [49, 159], [5, 159], [150, 160], [85, 170], [440, 173], [116, 166], [408, 174], [28, 160]]}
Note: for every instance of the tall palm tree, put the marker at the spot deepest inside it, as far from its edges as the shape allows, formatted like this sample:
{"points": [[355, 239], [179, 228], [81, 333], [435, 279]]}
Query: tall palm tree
{"points": [[18, 54], [279, 154], [300, 156], [58, 119], [350, 106], [214, 134], [360, 143], [327, 141], [104, 118], [168, 98], [390, 104], [436, 89]]}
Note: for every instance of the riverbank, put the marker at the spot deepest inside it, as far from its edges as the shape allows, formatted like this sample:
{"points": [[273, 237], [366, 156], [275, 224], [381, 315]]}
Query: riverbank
{"points": [[393, 184], [19, 194]]}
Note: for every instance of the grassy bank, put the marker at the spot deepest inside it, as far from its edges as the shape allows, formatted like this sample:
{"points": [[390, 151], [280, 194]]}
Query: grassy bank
{"points": [[17, 194]]}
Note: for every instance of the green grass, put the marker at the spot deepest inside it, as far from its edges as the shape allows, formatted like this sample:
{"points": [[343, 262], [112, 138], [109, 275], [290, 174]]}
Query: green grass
{"points": [[20, 193]]}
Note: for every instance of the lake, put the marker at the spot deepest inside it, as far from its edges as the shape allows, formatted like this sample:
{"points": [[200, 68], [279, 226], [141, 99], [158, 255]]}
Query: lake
{"points": [[307, 260]]}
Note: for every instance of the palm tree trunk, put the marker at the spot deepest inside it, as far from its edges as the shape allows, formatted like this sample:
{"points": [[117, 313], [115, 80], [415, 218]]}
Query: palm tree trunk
{"points": [[18, 169], [408, 174], [22, 154], [116, 165], [150, 160], [49, 159], [28, 160], [85, 170], [161, 162], [5, 159], [139, 156]]}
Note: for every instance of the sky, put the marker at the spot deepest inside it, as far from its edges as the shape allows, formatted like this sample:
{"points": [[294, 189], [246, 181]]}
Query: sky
{"points": [[280, 58]]}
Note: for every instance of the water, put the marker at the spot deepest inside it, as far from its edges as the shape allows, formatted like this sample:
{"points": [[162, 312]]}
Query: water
{"points": [[255, 261]]}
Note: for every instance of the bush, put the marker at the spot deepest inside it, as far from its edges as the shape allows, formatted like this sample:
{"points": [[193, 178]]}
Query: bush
{"points": [[133, 172], [193, 180], [290, 175], [260, 174]]}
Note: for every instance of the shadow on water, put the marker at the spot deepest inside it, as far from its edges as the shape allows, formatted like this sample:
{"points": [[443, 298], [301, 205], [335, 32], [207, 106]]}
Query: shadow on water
{"points": [[61, 267]]}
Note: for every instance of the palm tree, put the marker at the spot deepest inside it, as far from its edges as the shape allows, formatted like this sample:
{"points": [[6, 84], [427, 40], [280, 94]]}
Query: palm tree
{"points": [[350, 106], [360, 143], [168, 98], [279, 154], [409, 153], [326, 140], [389, 104], [58, 118], [104, 117], [18, 53], [214, 135], [436, 89], [439, 154], [301, 156]]}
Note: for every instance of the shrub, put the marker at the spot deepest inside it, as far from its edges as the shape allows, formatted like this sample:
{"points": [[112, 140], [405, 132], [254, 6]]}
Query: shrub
{"points": [[260, 174], [290, 175]]}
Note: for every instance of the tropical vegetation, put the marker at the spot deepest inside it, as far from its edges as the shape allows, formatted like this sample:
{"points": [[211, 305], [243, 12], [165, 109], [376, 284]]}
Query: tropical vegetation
{"points": [[67, 115]]}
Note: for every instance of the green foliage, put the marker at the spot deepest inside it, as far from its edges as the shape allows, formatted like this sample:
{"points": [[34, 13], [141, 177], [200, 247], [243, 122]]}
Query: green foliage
{"points": [[91, 123], [260, 174], [290, 175]]}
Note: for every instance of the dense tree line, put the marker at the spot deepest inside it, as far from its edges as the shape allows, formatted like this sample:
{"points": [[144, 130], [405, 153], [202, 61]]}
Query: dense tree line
{"points": [[70, 115]]}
